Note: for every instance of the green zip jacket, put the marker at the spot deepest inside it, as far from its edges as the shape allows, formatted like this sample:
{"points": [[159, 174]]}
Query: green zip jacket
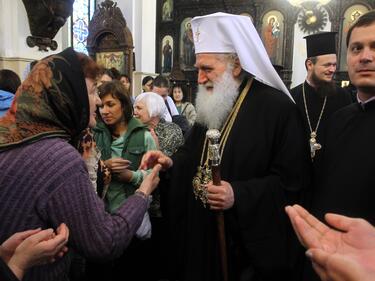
{"points": [[131, 146]]}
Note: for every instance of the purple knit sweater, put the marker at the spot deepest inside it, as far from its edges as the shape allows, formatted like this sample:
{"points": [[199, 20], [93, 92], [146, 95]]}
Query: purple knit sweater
{"points": [[46, 183]]}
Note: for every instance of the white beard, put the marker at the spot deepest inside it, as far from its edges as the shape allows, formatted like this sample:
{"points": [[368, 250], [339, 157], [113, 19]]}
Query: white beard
{"points": [[214, 107]]}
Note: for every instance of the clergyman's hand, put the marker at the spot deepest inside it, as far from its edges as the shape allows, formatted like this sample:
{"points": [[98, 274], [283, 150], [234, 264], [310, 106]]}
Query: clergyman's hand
{"points": [[220, 197], [153, 157]]}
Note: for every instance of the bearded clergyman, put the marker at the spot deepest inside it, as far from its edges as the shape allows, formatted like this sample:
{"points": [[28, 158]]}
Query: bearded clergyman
{"points": [[318, 97], [264, 160]]}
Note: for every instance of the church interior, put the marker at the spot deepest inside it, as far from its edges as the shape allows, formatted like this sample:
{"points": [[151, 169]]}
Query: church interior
{"points": [[149, 37], [131, 129]]}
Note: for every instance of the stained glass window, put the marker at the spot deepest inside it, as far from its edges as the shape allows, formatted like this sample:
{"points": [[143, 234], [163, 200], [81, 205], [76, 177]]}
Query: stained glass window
{"points": [[83, 11]]}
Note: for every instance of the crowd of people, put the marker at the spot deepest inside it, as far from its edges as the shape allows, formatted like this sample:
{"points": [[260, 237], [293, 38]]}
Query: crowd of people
{"points": [[100, 182]]}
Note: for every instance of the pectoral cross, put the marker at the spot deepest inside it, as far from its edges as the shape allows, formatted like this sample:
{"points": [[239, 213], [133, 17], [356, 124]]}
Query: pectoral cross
{"points": [[197, 33], [314, 146]]}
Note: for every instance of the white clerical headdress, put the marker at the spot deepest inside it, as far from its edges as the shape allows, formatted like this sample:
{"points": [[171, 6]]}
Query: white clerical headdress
{"points": [[227, 33]]}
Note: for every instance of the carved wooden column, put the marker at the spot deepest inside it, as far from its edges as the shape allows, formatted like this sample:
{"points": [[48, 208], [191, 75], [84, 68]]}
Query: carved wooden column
{"points": [[110, 41]]}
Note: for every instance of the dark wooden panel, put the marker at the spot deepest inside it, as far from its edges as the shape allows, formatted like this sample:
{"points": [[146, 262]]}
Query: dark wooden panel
{"points": [[257, 9]]}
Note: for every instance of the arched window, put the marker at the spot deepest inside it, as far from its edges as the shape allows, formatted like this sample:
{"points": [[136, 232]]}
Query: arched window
{"points": [[83, 11]]}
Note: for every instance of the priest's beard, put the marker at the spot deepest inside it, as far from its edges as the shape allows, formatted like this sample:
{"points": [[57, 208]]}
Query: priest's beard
{"points": [[214, 107], [323, 88]]}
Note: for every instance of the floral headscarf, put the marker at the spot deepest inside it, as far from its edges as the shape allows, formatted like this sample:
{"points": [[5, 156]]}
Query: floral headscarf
{"points": [[51, 102]]}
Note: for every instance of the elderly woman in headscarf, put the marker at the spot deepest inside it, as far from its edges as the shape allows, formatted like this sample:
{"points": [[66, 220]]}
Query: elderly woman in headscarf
{"points": [[44, 180], [149, 108]]}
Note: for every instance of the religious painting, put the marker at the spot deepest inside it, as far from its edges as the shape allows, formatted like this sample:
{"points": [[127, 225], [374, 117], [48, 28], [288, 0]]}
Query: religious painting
{"points": [[187, 51], [350, 16], [111, 59], [166, 54], [273, 36], [167, 10]]}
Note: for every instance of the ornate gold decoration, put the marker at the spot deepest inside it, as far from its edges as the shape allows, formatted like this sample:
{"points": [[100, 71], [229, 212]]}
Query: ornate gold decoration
{"points": [[312, 20], [314, 145]]}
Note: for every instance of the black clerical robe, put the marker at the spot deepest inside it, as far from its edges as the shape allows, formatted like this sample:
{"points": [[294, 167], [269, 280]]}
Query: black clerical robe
{"points": [[315, 101], [265, 160], [5, 272], [346, 180]]}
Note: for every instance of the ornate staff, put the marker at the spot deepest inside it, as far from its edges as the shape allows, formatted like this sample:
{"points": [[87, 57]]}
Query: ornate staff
{"points": [[213, 137]]}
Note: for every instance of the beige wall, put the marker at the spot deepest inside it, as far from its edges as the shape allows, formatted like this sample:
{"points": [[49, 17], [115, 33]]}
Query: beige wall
{"points": [[140, 16], [18, 65], [14, 28]]}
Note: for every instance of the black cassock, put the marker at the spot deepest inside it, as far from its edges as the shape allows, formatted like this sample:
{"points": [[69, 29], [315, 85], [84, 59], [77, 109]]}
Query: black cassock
{"points": [[346, 179], [314, 101], [265, 160], [6, 274]]}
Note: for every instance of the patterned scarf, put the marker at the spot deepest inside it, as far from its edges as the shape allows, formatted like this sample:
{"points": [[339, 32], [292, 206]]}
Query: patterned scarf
{"points": [[51, 102], [99, 173]]}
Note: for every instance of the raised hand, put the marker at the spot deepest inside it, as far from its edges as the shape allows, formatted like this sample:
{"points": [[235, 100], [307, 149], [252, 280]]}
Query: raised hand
{"points": [[117, 165], [349, 240], [153, 157], [150, 181], [339, 267], [39, 248], [9, 246]]}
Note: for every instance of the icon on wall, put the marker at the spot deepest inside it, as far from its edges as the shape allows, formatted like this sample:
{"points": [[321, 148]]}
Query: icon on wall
{"points": [[187, 50], [167, 54], [350, 16], [167, 10], [111, 59], [273, 35]]}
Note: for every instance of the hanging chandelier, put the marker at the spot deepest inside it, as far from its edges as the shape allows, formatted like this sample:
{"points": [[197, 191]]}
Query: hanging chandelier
{"points": [[313, 17]]}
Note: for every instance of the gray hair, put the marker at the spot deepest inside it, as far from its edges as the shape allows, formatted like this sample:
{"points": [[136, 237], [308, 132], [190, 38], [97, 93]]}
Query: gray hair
{"points": [[154, 103], [230, 59]]}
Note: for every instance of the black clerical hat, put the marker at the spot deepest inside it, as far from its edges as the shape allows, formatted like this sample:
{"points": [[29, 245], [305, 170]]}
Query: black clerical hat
{"points": [[321, 44]]}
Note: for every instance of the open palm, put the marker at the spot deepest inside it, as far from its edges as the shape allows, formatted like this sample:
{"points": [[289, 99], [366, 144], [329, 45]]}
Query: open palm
{"points": [[349, 244]]}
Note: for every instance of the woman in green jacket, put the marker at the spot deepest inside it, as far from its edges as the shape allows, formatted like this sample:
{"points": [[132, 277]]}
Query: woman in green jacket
{"points": [[122, 141]]}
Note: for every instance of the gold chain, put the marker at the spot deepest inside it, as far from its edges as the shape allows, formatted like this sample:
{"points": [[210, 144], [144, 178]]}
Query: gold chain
{"points": [[314, 145], [307, 113]]}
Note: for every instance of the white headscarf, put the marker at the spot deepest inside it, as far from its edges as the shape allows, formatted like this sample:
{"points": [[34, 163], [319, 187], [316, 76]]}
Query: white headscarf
{"points": [[154, 103], [227, 33]]}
